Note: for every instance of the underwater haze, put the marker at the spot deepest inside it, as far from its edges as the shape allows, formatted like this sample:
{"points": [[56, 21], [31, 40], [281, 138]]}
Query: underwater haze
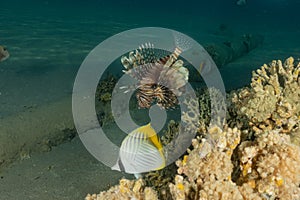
{"points": [[41, 156], [49, 39]]}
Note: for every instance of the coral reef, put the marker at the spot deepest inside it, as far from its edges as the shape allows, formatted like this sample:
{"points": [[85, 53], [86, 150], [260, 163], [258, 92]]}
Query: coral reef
{"points": [[126, 189], [270, 166], [170, 133], [254, 156], [273, 100], [105, 88], [103, 98], [159, 180], [205, 173]]}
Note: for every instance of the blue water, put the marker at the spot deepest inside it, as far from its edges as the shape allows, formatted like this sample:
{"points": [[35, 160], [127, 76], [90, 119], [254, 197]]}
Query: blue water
{"points": [[48, 40]]}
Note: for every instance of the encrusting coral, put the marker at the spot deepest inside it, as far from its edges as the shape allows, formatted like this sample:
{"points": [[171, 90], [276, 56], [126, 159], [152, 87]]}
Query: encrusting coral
{"points": [[228, 163]]}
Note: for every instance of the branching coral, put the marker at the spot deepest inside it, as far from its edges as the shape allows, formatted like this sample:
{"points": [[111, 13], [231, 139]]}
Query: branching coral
{"points": [[273, 100], [126, 189], [170, 133], [208, 168], [211, 103], [269, 168], [270, 165], [228, 163]]}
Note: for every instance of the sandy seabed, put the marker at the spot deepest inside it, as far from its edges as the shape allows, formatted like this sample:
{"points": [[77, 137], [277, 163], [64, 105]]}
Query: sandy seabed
{"points": [[68, 171]]}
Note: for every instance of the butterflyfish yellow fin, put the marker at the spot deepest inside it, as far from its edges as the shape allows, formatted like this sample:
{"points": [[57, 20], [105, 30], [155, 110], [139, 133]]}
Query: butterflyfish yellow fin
{"points": [[152, 136], [154, 139]]}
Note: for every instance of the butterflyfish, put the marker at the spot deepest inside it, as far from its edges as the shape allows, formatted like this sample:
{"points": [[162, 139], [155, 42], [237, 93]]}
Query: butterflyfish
{"points": [[141, 151]]}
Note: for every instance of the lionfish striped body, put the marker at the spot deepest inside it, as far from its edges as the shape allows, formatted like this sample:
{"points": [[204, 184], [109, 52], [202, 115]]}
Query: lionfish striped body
{"points": [[160, 79]]}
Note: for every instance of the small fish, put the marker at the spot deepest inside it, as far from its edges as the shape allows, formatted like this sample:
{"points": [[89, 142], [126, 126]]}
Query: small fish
{"points": [[141, 151], [3, 53]]}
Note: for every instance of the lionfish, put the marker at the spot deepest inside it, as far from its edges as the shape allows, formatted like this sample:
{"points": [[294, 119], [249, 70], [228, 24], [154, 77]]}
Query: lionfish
{"points": [[161, 79]]}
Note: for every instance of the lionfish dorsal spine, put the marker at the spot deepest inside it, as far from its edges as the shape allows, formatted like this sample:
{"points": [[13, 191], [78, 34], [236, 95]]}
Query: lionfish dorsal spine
{"points": [[144, 54], [173, 57]]}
